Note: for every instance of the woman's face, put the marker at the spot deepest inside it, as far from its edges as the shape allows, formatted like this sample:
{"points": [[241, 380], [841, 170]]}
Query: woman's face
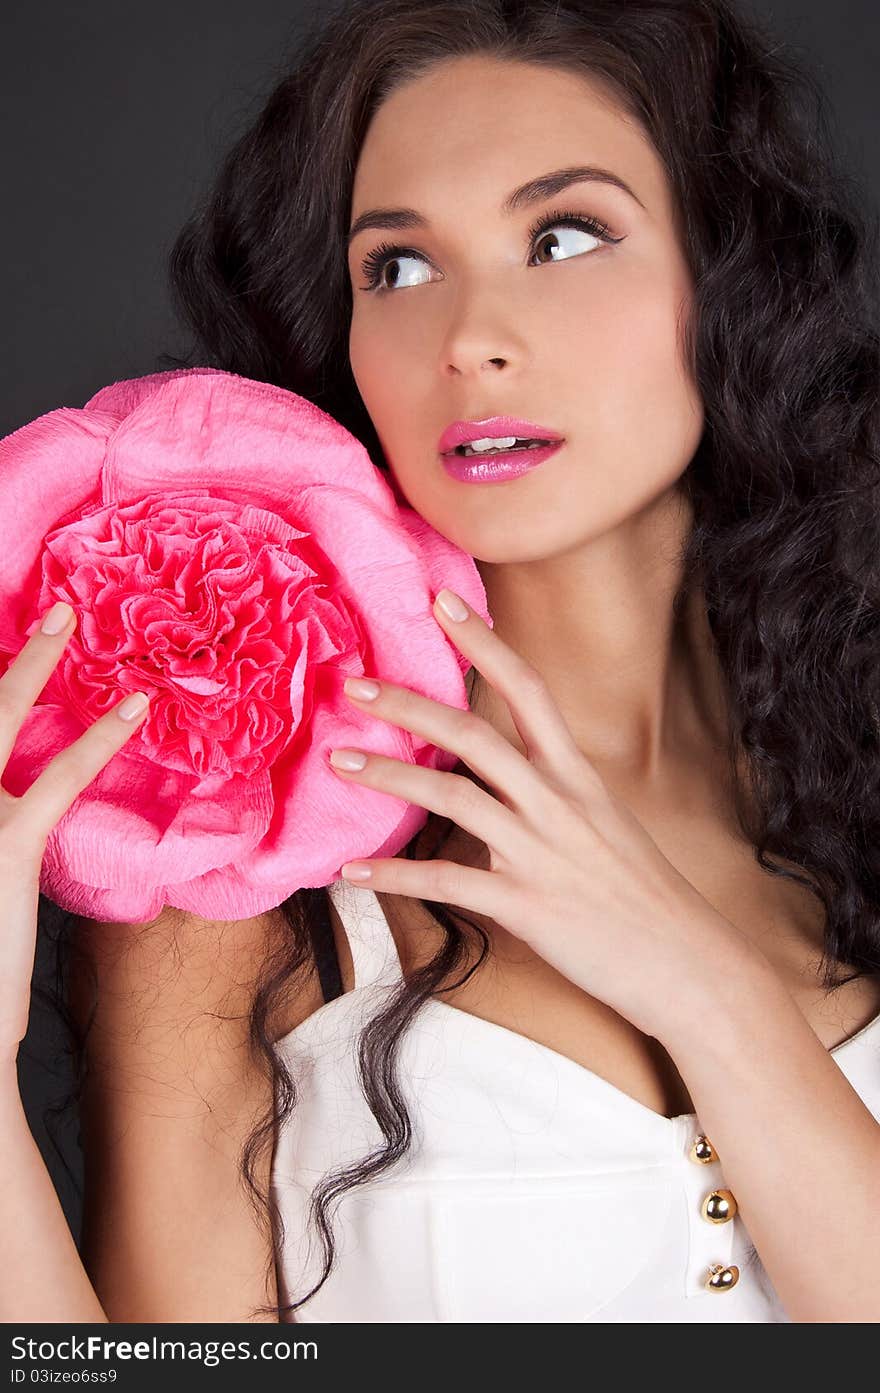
{"points": [[479, 319]]}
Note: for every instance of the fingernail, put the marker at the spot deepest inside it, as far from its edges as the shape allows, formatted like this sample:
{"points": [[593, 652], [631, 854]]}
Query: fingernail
{"points": [[452, 605], [347, 759], [362, 688], [132, 706], [56, 619], [355, 870]]}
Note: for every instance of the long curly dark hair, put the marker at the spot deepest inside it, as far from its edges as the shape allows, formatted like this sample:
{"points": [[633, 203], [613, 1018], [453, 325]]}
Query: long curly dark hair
{"points": [[784, 482]]}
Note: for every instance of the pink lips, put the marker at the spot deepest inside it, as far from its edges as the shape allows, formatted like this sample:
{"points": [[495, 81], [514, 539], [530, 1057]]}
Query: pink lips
{"points": [[463, 432], [472, 469], [495, 469]]}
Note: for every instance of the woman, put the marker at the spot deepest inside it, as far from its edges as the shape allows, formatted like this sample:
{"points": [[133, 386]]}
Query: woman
{"points": [[610, 223]]}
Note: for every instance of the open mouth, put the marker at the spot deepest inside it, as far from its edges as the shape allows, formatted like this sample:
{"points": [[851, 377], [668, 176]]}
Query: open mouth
{"points": [[505, 445], [500, 462]]}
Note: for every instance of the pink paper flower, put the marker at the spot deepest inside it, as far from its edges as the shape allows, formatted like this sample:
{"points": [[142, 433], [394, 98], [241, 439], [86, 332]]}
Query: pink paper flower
{"points": [[230, 549]]}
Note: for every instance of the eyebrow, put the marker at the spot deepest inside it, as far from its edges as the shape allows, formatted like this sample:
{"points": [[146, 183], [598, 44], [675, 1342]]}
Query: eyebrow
{"points": [[533, 191]]}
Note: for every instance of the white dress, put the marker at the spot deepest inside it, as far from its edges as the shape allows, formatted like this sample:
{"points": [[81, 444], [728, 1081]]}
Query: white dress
{"points": [[533, 1189]]}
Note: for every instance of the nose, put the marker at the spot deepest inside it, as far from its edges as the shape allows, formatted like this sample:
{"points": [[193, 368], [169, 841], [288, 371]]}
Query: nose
{"points": [[487, 362]]}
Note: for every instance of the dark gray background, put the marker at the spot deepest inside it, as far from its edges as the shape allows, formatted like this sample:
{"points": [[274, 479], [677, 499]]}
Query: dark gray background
{"points": [[114, 116]]}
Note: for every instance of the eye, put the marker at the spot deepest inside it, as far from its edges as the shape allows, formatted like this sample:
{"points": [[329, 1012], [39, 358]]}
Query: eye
{"points": [[375, 262], [574, 222]]}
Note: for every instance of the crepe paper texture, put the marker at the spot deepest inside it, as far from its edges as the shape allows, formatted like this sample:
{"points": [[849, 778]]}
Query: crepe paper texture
{"points": [[230, 549]]}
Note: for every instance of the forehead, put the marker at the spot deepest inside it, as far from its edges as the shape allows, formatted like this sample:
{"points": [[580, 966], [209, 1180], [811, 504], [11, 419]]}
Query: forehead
{"points": [[472, 128]]}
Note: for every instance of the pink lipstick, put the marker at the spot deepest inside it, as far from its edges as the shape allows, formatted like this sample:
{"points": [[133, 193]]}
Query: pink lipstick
{"points": [[468, 454]]}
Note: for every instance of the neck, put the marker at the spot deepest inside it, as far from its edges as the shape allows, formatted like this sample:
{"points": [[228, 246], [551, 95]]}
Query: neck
{"points": [[639, 687]]}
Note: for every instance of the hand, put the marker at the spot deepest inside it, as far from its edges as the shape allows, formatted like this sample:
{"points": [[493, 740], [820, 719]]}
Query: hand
{"points": [[26, 822], [572, 872]]}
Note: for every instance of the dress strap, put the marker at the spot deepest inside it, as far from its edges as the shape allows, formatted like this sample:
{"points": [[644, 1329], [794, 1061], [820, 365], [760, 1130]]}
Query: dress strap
{"points": [[373, 950]]}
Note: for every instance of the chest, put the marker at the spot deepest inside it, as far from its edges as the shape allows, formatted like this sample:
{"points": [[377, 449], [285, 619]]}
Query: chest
{"points": [[518, 990]]}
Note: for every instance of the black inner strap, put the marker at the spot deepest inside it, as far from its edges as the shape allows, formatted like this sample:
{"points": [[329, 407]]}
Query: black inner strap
{"points": [[323, 942]]}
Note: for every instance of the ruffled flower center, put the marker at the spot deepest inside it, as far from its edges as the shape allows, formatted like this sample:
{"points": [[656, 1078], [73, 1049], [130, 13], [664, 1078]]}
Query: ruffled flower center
{"points": [[222, 613]]}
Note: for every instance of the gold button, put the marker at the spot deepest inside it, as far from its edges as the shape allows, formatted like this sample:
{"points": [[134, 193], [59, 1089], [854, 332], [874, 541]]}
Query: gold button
{"points": [[718, 1207], [722, 1278], [703, 1151]]}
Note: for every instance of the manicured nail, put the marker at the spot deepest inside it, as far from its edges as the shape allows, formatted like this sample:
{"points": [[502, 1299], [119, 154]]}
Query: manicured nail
{"points": [[452, 605], [132, 706], [362, 688], [56, 619], [355, 870], [347, 759]]}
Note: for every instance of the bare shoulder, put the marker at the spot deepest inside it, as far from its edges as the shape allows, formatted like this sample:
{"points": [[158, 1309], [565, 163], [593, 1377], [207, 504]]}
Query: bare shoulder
{"points": [[178, 968], [173, 1091]]}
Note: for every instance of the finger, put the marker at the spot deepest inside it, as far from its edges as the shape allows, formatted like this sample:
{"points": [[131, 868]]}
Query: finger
{"points": [[449, 795], [476, 743], [65, 777], [26, 677], [446, 882], [538, 720]]}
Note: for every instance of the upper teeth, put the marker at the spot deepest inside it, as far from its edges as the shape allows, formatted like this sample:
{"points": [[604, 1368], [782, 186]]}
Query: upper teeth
{"points": [[496, 442]]}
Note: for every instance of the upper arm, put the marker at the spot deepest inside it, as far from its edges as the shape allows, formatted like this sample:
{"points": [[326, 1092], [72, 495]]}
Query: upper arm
{"points": [[172, 1092]]}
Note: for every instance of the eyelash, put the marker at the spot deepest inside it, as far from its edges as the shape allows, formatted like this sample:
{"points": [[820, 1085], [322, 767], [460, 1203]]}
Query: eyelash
{"points": [[374, 262]]}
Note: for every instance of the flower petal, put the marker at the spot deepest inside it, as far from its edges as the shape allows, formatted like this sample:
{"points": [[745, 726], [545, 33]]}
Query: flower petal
{"points": [[230, 437], [137, 825], [49, 468]]}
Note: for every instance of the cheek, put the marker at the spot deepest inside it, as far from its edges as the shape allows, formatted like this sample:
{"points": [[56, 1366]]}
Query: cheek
{"points": [[385, 346], [368, 355], [641, 402]]}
